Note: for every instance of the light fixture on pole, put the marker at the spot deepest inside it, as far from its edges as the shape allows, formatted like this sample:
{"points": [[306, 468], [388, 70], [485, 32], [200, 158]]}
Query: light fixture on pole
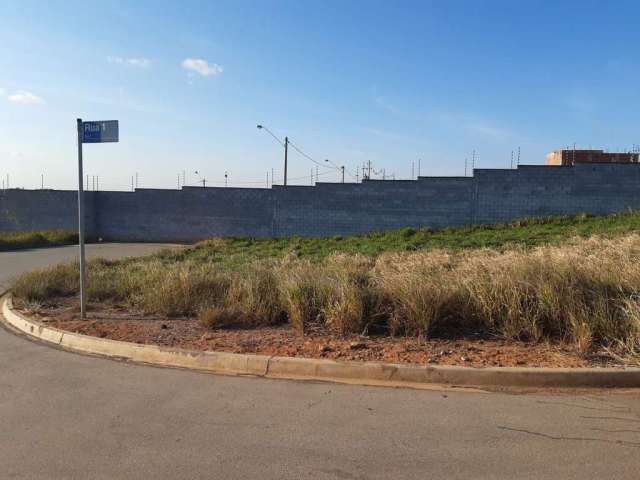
{"points": [[341, 168], [203, 180], [285, 144]]}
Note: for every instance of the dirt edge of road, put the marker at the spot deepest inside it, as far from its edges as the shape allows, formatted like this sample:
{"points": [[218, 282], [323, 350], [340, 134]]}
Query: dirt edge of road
{"points": [[365, 373]]}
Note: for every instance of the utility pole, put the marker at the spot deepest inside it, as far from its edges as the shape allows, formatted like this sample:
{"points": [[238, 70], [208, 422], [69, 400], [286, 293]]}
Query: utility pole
{"points": [[518, 156], [286, 151], [317, 176], [267, 178], [312, 176], [369, 172], [42, 181], [473, 161], [272, 177], [132, 189], [512, 159], [342, 168], [357, 176], [226, 176], [419, 167]]}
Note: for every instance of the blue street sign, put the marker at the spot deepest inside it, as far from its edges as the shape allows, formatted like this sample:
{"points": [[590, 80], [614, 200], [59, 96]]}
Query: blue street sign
{"points": [[100, 131]]}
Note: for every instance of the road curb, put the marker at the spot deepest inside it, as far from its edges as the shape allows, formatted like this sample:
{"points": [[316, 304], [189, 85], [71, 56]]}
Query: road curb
{"points": [[364, 373]]}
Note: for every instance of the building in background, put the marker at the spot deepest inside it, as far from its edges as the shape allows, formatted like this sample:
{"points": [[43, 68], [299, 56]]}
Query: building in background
{"points": [[573, 157]]}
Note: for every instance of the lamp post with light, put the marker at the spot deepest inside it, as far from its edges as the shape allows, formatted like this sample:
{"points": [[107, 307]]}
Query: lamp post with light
{"points": [[337, 167], [285, 144]]}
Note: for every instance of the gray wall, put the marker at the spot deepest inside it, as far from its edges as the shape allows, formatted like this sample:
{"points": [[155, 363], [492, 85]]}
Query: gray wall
{"points": [[194, 213]]}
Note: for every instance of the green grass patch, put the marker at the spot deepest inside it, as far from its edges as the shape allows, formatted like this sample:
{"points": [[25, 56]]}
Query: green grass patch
{"points": [[45, 238], [528, 233]]}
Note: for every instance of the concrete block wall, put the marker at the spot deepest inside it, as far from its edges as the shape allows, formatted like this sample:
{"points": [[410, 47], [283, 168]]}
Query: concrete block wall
{"points": [[28, 210], [327, 209]]}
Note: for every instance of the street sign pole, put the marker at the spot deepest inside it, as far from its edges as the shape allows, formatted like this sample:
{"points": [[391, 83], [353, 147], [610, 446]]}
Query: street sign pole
{"points": [[83, 299], [102, 131]]}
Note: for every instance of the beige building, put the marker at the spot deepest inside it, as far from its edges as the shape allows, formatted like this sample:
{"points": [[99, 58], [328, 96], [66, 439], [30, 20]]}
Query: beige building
{"points": [[573, 157]]}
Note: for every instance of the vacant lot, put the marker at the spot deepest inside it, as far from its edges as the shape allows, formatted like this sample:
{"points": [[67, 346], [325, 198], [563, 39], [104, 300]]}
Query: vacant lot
{"points": [[537, 282], [46, 238]]}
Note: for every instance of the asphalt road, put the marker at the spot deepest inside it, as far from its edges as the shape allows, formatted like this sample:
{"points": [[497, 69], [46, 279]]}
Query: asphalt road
{"points": [[67, 416]]}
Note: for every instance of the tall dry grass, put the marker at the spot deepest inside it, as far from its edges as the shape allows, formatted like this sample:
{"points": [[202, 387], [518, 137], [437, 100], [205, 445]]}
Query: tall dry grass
{"points": [[586, 292]]}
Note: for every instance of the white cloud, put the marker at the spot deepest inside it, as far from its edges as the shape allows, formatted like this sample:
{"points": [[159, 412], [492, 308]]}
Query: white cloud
{"points": [[25, 98], [383, 103], [202, 67], [140, 62], [490, 131]]}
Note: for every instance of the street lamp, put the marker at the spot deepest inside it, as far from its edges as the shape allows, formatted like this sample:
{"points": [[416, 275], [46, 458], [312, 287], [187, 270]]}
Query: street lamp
{"points": [[337, 167], [286, 148], [203, 180]]}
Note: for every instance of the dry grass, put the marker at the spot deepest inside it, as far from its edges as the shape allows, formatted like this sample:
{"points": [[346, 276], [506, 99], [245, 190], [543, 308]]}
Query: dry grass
{"points": [[586, 292], [46, 238]]}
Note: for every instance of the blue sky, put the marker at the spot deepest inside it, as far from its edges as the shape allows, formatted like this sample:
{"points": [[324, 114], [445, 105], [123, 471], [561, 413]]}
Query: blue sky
{"points": [[389, 82]]}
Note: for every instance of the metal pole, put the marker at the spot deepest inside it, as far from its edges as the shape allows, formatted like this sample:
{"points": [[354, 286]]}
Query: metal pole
{"points": [[342, 168], [83, 300], [286, 149]]}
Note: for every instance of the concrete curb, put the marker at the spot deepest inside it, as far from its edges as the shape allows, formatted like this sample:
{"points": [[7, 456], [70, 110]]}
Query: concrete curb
{"points": [[364, 373]]}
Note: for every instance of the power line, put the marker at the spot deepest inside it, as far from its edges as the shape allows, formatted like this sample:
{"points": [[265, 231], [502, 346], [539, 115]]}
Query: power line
{"points": [[296, 148]]}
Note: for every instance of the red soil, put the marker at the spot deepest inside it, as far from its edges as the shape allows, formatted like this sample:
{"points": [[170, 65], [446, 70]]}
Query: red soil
{"points": [[118, 323]]}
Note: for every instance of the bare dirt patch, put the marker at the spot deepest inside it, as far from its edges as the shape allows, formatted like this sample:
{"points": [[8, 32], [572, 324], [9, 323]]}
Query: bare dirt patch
{"points": [[467, 349]]}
